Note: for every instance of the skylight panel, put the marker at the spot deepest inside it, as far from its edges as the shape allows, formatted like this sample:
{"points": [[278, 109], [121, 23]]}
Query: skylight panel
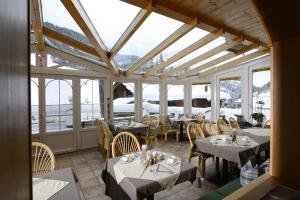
{"points": [[198, 52], [110, 18], [56, 14], [152, 32], [187, 40], [218, 55]]}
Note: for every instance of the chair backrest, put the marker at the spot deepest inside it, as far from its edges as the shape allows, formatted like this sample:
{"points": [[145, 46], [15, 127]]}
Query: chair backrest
{"points": [[125, 143], [105, 135], [165, 122], [194, 132], [267, 124], [153, 123], [210, 128], [233, 123], [145, 119], [223, 126], [42, 158], [200, 117]]}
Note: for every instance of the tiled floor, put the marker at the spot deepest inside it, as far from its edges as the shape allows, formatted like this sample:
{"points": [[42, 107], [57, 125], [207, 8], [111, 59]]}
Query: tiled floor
{"points": [[88, 164]]}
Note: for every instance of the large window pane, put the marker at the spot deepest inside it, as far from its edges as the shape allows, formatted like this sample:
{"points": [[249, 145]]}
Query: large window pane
{"points": [[150, 99], [123, 101], [110, 18], [35, 106], [59, 105], [201, 99], [92, 102], [261, 92], [152, 32], [230, 97], [175, 100]]}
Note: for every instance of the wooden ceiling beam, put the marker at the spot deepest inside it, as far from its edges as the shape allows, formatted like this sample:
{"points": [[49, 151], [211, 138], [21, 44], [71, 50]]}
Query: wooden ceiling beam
{"points": [[182, 15], [193, 47], [131, 29], [204, 56], [76, 10], [69, 41], [184, 29], [234, 63], [37, 23], [75, 59], [217, 61]]}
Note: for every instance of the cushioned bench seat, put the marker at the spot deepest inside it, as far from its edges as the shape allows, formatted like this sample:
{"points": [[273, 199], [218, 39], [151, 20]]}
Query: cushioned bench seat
{"points": [[223, 191]]}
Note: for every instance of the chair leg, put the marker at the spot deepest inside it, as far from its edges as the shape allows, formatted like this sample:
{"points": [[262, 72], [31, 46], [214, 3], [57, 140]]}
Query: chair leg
{"points": [[190, 157], [177, 138], [156, 140], [166, 136], [217, 165], [203, 167]]}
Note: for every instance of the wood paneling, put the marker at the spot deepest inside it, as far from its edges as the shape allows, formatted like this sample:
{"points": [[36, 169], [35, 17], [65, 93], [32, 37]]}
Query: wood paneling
{"points": [[15, 145]]}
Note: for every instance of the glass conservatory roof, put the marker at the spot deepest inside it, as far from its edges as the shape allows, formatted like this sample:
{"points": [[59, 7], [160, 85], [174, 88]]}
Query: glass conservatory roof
{"points": [[111, 19]]}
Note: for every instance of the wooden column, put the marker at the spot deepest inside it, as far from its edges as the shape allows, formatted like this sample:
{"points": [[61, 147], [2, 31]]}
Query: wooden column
{"points": [[285, 142], [280, 21], [15, 145]]}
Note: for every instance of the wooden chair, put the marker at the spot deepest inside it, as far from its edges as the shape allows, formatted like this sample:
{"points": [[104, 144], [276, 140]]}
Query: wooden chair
{"points": [[233, 123], [200, 117], [152, 134], [42, 158], [125, 143], [210, 128], [166, 128], [223, 126], [194, 133], [145, 119], [105, 138], [267, 124]]}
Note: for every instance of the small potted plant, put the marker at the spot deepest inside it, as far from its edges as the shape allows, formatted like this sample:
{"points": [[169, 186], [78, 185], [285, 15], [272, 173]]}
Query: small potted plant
{"points": [[258, 117]]}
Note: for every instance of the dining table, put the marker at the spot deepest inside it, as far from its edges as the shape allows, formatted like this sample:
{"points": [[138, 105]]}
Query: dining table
{"points": [[68, 192], [142, 185], [237, 153], [181, 122], [135, 128]]}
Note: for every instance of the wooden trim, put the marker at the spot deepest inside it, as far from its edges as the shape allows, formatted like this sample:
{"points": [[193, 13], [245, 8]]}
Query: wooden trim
{"points": [[217, 61], [184, 29], [131, 29], [201, 83], [76, 10], [228, 78], [234, 63], [261, 69], [69, 41], [203, 56], [193, 47], [37, 23], [182, 15], [75, 59]]}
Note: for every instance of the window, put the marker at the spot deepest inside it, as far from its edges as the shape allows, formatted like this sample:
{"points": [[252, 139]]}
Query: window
{"points": [[35, 117], [92, 101], [175, 101], [33, 59], [261, 92], [150, 102], [123, 101], [145, 39], [230, 97], [201, 99], [59, 105]]}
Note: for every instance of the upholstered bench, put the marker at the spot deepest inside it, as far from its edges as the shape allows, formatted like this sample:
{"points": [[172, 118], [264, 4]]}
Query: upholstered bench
{"points": [[223, 191]]}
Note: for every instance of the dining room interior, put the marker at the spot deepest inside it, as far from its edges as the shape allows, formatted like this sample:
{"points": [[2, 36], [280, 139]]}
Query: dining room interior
{"points": [[149, 99]]}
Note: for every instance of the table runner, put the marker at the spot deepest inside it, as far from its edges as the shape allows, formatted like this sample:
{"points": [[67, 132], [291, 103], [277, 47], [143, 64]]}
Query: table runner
{"points": [[220, 140], [135, 169], [43, 189], [258, 131]]}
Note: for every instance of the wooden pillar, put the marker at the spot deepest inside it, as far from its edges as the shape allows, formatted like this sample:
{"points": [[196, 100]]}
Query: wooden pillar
{"points": [[15, 143], [281, 23], [285, 142]]}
